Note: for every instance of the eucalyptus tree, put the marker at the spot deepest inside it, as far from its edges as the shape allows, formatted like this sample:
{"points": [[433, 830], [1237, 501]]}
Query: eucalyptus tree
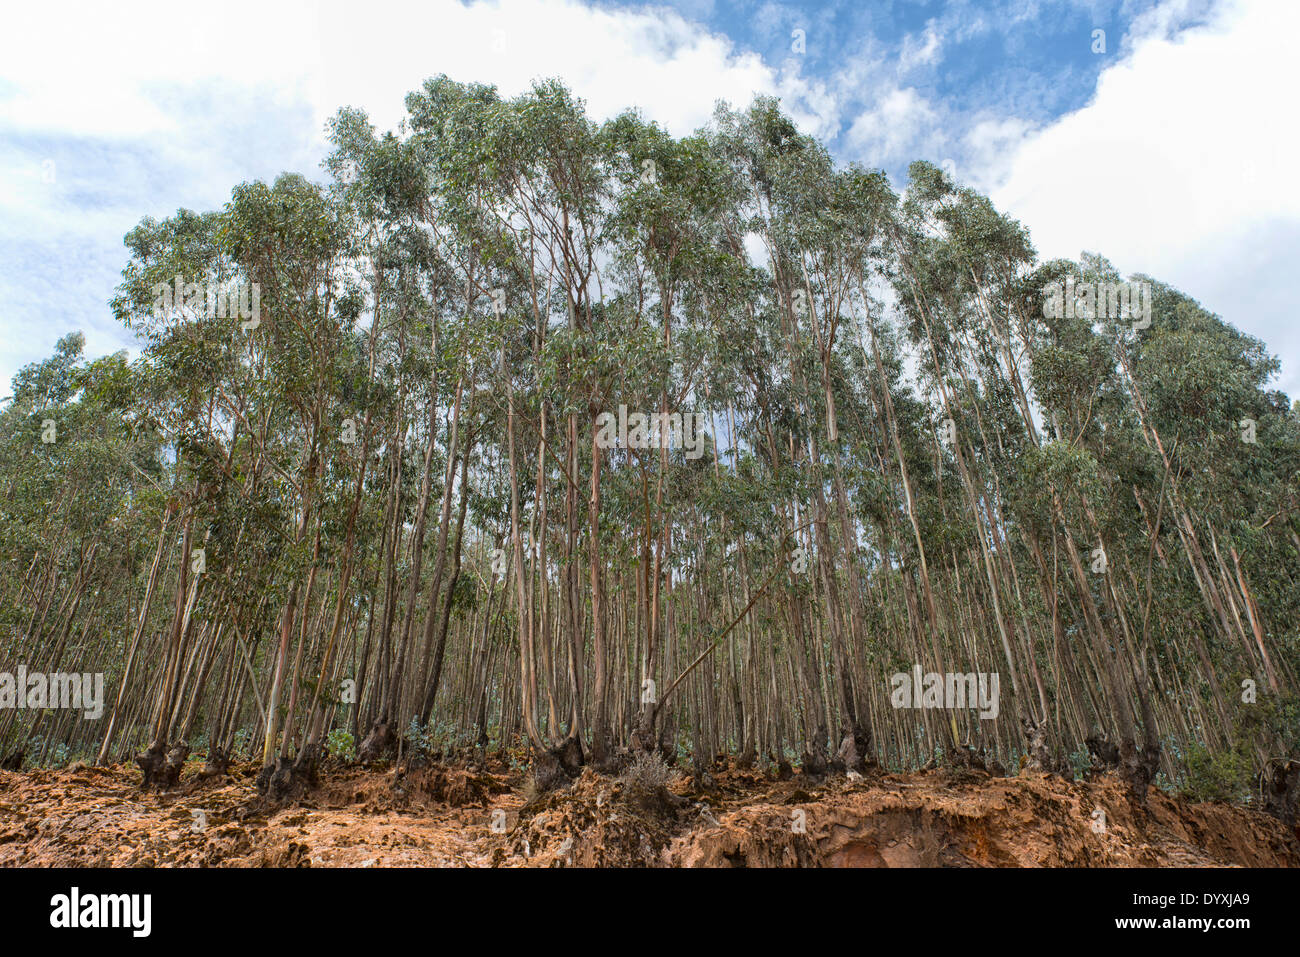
{"points": [[378, 484]]}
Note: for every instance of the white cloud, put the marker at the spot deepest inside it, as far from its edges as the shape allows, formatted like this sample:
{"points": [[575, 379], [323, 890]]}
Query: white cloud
{"points": [[923, 52], [101, 69], [107, 72], [1181, 167], [900, 126], [1177, 168], [990, 144], [150, 106]]}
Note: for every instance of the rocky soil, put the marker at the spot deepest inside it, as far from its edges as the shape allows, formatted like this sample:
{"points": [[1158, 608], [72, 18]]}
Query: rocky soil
{"points": [[457, 816]]}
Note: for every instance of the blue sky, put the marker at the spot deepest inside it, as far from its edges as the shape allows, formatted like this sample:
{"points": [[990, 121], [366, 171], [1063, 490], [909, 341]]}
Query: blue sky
{"points": [[1025, 59], [1170, 152]]}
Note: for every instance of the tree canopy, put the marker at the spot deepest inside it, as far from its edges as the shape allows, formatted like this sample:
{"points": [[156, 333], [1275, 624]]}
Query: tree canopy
{"points": [[352, 494]]}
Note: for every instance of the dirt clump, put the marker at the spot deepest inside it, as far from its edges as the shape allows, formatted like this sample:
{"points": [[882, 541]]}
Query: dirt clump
{"points": [[650, 815], [599, 821]]}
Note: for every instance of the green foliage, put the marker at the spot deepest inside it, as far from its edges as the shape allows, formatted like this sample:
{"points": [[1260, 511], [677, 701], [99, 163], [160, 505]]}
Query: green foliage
{"points": [[886, 393], [1270, 725], [1222, 776], [340, 745], [418, 739]]}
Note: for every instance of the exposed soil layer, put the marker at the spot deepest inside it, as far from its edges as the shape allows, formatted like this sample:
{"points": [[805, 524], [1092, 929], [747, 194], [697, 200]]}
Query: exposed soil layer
{"points": [[456, 816]]}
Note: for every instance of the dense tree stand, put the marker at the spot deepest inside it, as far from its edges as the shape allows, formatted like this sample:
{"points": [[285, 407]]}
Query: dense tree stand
{"points": [[584, 447]]}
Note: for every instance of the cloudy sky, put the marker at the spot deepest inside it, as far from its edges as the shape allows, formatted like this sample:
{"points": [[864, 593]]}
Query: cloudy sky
{"points": [[1165, 142]]}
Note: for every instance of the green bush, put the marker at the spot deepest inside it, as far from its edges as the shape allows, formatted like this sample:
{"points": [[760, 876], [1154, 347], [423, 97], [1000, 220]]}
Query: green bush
{"points": [[1225, 776], [340, 745], [1269, 727]]}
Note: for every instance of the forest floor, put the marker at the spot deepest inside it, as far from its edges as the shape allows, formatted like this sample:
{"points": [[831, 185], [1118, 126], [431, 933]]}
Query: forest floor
{"points": [[457, 816]]}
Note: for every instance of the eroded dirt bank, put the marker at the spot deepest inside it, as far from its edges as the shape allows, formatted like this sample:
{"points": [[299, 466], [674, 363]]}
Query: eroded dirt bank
{"points": [[453, 816]]}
